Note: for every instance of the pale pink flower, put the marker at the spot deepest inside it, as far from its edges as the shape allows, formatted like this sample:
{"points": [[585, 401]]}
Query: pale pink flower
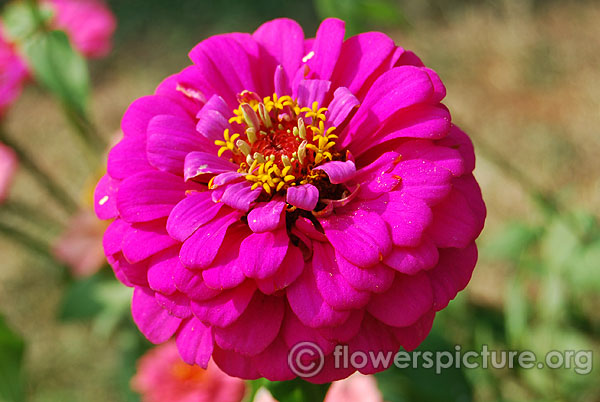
{"points": [[8, 166]]}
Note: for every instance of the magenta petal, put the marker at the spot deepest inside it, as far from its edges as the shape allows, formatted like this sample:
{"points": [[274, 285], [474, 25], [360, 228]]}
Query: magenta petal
{"points": [[377, 177], [105, 198], [439, 89], [410, 337], [460, 141], [143, 240], [263, 253], [360, 56], [154, 321], [327, 47], [201, 248], [338, 171], [255, 329], [267, 216], [190, 213], [129, 274], [161, 274], [293, 332], [223, 309], [394, 90], [308, 304], [443, 156], [374, 337], [334, 288], [113, 236], [459, 218], [286, 52], [361, 237], [288, 272], [281, 82], [149, 195], [177, 304], [305, 196], [240, 195], [213, 119], [192, 284], [452, 274], [424, 180], [347, 330], [235, 364], [195, 342], [272, 363], [310, 91], [226, 270], [138, 115], [127, 158], [412, 260], [343, 105], [377, 278], [408, 299], [199, 163], [170, 139]]}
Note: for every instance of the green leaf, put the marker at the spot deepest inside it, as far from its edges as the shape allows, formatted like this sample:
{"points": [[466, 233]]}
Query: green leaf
{"points": [[81, 300], [22, 19], [514, 239], [516, 311], [12, 349], [59, 68], [296, 390]]}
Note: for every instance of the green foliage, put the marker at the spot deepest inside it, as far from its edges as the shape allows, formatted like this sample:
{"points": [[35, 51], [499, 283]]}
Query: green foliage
{"points": [[296, 390], [12, 349], [362, 15]]}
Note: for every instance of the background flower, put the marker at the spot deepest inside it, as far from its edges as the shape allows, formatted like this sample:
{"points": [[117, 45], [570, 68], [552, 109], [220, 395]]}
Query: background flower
{"points": [[89, 23], [13, 73], [341, 209], [8, 167], [163, 377]]}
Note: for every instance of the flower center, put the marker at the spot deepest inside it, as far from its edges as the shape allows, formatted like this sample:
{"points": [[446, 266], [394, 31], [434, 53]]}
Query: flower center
{"points": [[277, 143]]}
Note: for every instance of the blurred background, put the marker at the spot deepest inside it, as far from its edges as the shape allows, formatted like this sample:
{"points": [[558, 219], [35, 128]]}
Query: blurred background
{"points": [[523, 80]]}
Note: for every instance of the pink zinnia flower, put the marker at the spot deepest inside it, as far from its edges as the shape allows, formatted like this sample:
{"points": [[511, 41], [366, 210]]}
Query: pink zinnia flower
{"points": [[13, 73], [163, 377], [89, 24], [284, 189], [8, 167]]}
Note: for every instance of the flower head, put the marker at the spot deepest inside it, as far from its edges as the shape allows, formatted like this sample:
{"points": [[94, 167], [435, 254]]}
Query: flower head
{"points": [[163, 377], [283, 190], [13, 73], [89, 24], [8, 167]]}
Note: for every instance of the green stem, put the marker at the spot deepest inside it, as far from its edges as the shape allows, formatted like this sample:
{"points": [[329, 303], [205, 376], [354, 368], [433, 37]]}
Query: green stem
{"points": [[63, 198]]}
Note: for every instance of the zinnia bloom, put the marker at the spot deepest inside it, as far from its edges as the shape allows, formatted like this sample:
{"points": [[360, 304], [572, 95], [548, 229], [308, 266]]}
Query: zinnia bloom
{"points": [[8, 167], [163, 377], [88, 23], [282, 190], [13, 73]]}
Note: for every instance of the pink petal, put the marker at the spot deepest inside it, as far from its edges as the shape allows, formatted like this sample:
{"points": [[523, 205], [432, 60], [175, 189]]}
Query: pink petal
{"points": [[327, 47], [149, 195], [154, 321], [113, 236], [286, 52], [226, 270], [412, 260], [460, 141], [195, 342], [267, 216], [305, 196], [443, 156], [240, 195], [272, 363], [374, 338], [310, 91], [288, 272], [410, 337], [201, 248], [161, 274], [347, 330], [452, 274], [255, 329], [177, 304], [343, 105], [362, 237], [138, 115], [334, 288], [105, 198], [394, 90], [143, 240], [127, 158], [235, 364], [263, 253], [377, 177], [377, 278], [408, 299], [189, 214], [424, 180], [200, 163], [192, 284], [338, 171], [213, 119], [170, 139], [225, 308], [308, 304]]}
